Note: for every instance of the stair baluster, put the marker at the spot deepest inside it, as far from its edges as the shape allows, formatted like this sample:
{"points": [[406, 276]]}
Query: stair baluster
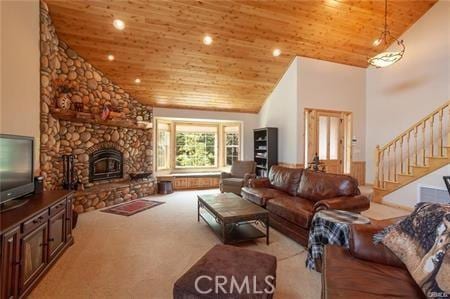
{"points": [[408, 168], [440, 139], [424, 144], [432, 136]]}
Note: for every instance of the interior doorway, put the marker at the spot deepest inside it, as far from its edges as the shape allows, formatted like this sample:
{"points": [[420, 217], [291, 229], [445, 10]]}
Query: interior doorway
{"points": [[328, 134]]}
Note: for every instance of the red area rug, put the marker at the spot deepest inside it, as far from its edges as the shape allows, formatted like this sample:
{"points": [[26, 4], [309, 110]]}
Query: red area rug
{"points": [[132, 207]]}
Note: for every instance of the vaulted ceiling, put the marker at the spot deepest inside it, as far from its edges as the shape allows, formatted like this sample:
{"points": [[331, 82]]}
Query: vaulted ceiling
{"points": [[162, 43]]}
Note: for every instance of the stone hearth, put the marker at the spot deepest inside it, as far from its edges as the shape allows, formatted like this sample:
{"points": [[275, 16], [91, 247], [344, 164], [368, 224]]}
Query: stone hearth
{"points": [[79, 129], [109, 194]]}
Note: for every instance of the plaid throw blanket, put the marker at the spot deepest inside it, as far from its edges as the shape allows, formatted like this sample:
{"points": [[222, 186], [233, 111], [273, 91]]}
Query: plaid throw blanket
{"points": [[422, 242], [329, 227]]}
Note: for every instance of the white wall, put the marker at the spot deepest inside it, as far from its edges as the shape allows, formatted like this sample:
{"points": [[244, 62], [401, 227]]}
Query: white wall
{"points": [[311, 83], [333, 86], [20, 70], [408, 195], [400, 95], [249, 121], [280, 111]]}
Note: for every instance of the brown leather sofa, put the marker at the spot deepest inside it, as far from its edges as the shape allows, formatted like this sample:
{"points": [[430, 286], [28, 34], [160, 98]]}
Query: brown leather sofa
{"points": [[365, 270], [292, 196]]}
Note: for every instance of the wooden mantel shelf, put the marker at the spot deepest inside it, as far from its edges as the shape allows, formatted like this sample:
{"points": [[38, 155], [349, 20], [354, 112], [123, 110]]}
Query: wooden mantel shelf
{"points": [[85, 117]]}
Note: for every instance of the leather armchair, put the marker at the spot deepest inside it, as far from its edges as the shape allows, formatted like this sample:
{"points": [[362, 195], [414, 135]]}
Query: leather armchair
{"points": [[239, 176]]}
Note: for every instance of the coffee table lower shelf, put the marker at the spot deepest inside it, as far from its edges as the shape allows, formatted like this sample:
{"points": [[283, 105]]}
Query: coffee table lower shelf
{"points": [[232, 233]]}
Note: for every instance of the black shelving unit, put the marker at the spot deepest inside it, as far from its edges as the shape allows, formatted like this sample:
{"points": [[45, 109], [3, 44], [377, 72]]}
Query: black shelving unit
{"points": [[265, 142]]}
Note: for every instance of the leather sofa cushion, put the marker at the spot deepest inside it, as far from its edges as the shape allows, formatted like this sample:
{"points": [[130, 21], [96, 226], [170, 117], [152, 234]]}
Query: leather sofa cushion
{"points": [[260, 196], [233, 181], [361, 244], [294, 209], [285, 179], [347, 277], [319, 185], [287, 228]]}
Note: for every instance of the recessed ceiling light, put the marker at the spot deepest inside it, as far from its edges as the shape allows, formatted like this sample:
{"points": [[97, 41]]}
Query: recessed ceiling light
{"points": [[377, 42], [276, 52], [110, 57], [137, 80], [207, 40], [119, 24]]}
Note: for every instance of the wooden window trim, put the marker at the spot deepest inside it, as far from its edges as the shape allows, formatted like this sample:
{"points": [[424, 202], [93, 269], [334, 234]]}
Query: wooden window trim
{"points": [[220, 144]]}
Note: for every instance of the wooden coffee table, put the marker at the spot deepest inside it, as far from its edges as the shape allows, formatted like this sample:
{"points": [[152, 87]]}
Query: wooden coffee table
{"points": [[232, 217]]}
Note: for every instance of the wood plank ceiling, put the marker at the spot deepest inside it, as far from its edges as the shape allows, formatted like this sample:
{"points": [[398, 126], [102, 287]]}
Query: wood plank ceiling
{"points": [[162, 43]]}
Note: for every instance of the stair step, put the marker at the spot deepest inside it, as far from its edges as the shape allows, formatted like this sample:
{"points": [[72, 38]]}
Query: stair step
{"points": [[391, 182], [405, 178], [409, 175], [437, 157], [421, 166]]}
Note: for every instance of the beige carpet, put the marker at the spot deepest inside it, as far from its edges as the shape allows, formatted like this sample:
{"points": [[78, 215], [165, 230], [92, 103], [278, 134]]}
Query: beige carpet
{"points": [[141, 256]]}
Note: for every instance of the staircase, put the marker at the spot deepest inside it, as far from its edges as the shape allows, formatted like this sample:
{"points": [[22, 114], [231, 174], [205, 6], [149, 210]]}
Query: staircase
{"points": [[420, 150]]}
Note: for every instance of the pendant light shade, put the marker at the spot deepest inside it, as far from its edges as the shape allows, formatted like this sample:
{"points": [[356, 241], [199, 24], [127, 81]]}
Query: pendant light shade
{"points": [[387, 58]]}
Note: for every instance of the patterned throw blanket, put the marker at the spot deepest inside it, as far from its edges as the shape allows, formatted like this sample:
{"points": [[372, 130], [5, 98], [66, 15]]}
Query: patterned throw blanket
{"points": [[422, 242]]}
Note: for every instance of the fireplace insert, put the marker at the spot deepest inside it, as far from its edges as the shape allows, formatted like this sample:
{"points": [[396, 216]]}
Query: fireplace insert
{"points": [[105, 164]]}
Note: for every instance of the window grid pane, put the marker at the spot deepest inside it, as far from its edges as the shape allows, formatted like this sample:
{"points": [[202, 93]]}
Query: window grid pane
{"points": [[163, 149], [231, 147], [334, 137], [323, 137], [195, 149]]}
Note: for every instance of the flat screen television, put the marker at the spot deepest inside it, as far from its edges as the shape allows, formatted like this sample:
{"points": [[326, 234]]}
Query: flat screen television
{"points": [[16, 166]]}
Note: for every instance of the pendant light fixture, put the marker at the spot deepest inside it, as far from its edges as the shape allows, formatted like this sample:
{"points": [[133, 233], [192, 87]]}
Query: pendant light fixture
{"points": [[387, 58]]}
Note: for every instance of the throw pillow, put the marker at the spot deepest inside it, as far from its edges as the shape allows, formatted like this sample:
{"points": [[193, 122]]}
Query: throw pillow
{"points": [[422, 241]]}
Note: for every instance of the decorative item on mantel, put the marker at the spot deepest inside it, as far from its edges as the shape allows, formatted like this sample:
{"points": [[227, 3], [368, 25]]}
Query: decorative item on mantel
{"points": [[78, 107], [105, 112], [62, 89]]}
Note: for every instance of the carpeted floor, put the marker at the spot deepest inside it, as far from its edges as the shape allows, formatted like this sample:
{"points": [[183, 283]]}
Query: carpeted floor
{"points": [[141, 256]]}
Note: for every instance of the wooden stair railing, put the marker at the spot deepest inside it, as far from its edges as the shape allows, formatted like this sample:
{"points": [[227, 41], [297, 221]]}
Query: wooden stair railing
{"points": [[418, 148]]}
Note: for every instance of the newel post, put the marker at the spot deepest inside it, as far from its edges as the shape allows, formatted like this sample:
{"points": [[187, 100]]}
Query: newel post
{"points": [[377, 166]]}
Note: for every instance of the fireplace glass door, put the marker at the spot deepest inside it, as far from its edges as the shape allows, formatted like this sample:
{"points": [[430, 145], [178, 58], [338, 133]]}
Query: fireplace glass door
{"points": [[105, 164]]}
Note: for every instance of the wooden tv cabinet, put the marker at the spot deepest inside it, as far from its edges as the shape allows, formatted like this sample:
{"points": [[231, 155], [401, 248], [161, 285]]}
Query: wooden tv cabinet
{"points": [[32, 237]]}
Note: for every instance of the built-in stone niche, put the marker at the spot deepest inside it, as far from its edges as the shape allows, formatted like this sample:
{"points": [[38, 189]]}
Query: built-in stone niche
{"points": [[80, 131]]}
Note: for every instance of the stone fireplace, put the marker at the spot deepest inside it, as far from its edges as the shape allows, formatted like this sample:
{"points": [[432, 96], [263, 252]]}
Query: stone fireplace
{"points": [[106, 150], [105, 164]]}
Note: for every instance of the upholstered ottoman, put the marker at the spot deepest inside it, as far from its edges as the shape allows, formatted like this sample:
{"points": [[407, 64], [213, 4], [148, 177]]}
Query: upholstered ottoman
{"points": [[229, 272]]}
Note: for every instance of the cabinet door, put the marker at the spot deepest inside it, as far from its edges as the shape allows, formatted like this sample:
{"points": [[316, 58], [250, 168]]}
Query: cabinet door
{"points": [[33, 255], [69, 219], [10, 264], [56, 233]]}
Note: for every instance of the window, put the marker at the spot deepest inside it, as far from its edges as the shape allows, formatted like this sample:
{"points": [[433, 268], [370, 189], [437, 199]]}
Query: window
{"points": [[231, 144], [196, 146], [163, 143], [190, 144]]}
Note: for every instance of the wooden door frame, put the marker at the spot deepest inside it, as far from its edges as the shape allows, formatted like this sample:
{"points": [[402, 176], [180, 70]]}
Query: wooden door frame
{"points": [[311, 130]]}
